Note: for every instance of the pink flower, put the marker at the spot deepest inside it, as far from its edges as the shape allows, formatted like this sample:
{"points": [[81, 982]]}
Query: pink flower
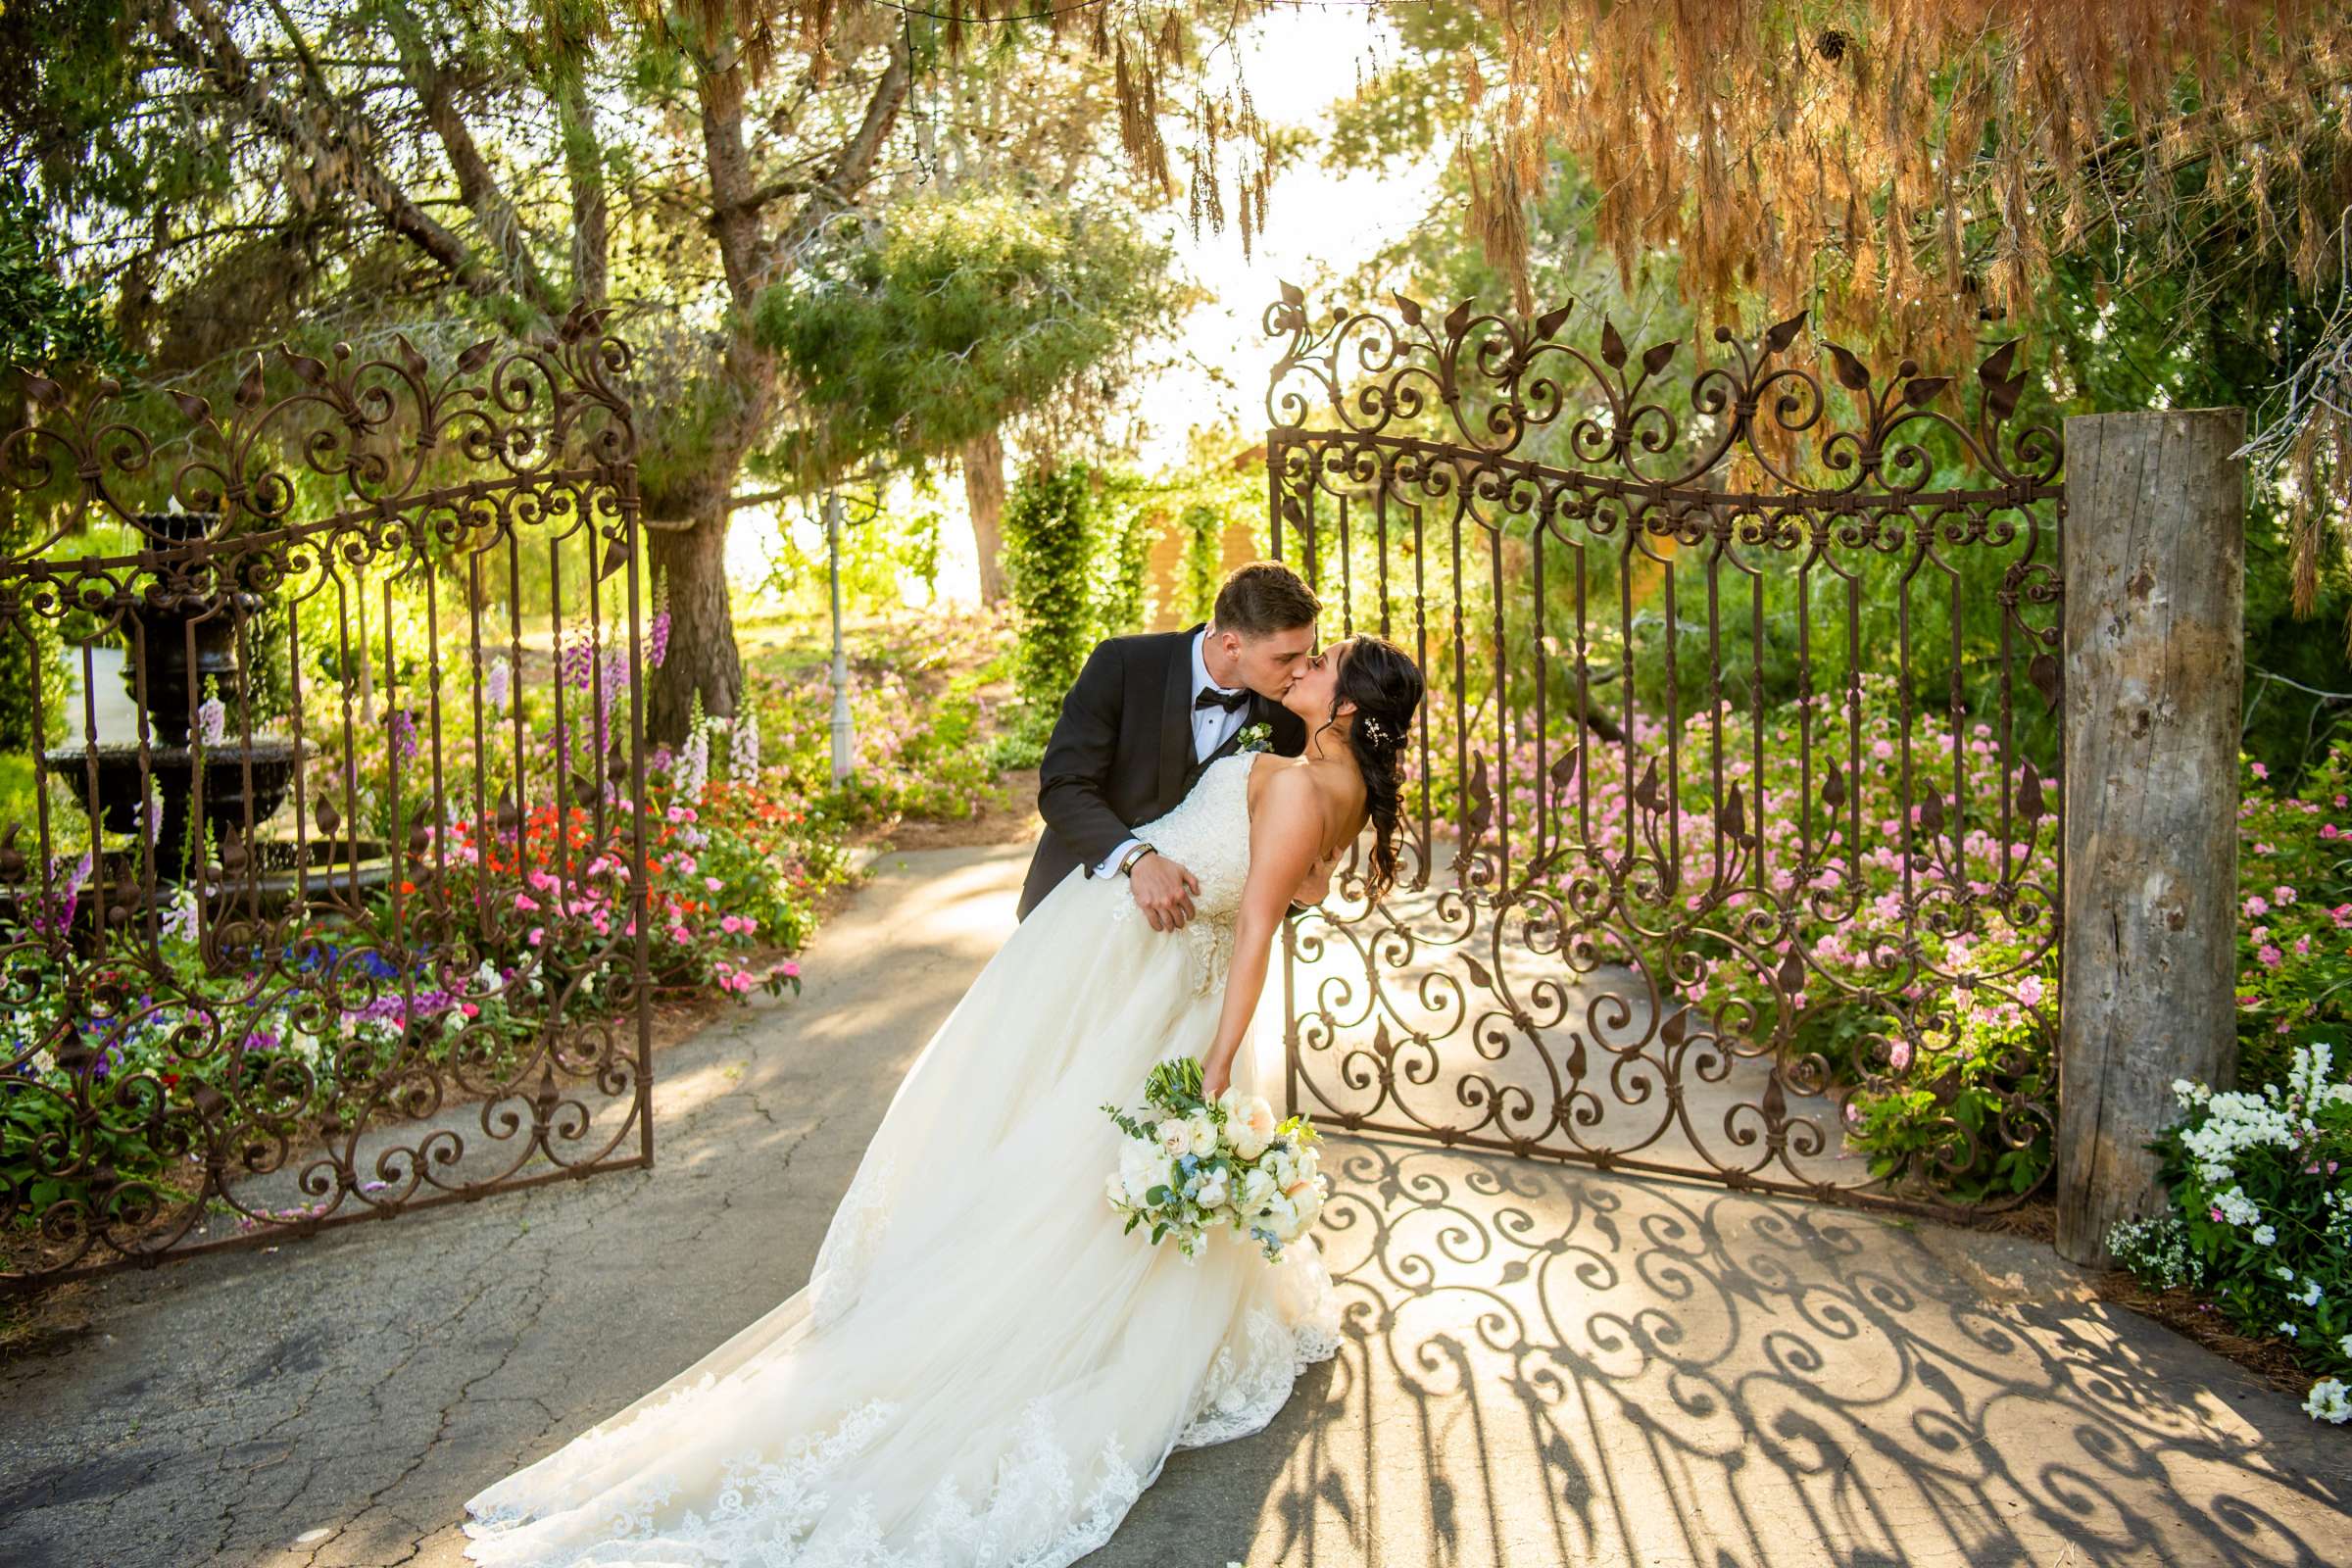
{"points": [[2284, 894], [2256, 905], [712, 883], [469, 1009], [524, 901], [792, 971], [2261, 771], [680, 935], [538, 935], [2270, 955]]}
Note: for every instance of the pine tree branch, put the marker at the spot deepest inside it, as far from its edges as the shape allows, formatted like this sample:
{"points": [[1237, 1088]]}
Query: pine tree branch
{"points": [[501, 226], [312, 129]]}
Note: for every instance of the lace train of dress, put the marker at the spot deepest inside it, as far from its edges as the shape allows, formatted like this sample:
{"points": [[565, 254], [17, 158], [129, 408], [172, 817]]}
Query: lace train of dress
{"points": [[982, 1369]]}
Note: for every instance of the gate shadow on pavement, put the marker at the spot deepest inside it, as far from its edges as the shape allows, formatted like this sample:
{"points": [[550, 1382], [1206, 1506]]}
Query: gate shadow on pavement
{"points": [[1544, 1365]]}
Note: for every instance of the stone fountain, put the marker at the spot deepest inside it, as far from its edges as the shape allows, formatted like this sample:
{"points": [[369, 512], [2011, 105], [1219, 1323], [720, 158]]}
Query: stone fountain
{"points": [[243, 780]]}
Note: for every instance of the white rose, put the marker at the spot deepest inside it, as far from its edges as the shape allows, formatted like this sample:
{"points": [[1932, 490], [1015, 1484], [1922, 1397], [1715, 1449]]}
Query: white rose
{"points": [[1256, 1187], [1202, 1137], [1142, 1167], [1174, 1136], [1212, 1191]]}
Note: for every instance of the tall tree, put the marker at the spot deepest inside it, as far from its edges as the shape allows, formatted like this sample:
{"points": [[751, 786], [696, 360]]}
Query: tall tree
{"points": [[922, 337], [240, 170]]}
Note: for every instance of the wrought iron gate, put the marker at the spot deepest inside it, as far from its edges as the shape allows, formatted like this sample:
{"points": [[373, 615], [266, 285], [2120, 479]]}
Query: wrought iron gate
{"points": [[1734, 848], [325, 903]]}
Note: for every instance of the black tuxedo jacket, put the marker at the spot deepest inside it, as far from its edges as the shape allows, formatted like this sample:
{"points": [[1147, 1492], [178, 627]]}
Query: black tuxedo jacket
{"points": [[1121, 752]]}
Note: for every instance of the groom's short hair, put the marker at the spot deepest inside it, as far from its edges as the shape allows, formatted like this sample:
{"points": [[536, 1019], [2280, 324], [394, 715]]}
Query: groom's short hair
{"points": [[1263, 597]]}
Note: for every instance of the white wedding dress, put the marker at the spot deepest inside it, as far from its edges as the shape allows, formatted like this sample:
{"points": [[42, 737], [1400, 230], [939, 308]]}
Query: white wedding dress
{"points": [[982, 1369]]}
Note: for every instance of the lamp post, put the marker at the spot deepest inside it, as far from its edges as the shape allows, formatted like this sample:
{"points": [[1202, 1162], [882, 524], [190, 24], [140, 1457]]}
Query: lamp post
{"points": [[845, 738]]}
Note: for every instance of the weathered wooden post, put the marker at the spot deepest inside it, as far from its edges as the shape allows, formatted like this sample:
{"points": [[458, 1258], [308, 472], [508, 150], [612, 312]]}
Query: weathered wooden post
{"points": [[2154, 556]]}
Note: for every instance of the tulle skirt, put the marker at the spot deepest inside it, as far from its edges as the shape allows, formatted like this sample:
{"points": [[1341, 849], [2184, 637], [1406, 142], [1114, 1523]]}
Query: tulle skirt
{"points": [[982, 1368]]}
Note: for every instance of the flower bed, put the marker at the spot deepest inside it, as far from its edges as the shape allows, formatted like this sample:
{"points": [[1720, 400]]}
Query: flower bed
{"points": [[1871, 894], [2261, 1186]]}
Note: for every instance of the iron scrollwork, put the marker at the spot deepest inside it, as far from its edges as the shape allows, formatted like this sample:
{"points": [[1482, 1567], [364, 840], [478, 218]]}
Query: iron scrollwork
{"points": [[1734, 823]]}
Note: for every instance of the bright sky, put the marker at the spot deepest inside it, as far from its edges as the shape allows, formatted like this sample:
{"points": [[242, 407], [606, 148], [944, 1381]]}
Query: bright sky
{"points": [[1298, 63]]}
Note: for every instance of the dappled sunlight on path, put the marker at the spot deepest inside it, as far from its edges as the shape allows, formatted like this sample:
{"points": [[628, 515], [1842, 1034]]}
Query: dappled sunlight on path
{"points": [[1543, 1365]]}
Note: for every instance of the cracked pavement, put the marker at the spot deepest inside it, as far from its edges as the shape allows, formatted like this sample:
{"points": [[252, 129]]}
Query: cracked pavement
{"points": [[1541, 1365]]}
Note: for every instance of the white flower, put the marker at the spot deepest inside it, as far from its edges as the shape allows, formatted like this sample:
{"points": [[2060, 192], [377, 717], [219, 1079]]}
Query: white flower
{"points": [[1142, 1167], [2346, 1345], [2290, 1331], [2311, 1294], [743, 747], [691, 770], [1201, 1135], [2263, 1235], [1174, 1136], [1213, 1189], [179, 921], [2236, 1207], [2328, 1402], [1251, 1128]]}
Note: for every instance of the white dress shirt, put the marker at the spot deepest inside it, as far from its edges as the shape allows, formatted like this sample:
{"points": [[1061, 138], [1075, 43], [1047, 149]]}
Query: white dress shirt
{"points": [[1211, 727]]}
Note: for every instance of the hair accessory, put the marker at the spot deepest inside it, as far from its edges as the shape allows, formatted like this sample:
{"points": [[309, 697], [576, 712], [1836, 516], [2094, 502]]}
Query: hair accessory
{"points": [[1371, 729]]}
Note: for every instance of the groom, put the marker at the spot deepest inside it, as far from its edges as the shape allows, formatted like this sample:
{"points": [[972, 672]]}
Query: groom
{"points": [[1147, 715]]}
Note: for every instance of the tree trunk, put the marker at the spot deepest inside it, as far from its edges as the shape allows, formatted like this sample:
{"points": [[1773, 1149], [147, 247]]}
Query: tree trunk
{"points": [[984, 494], [2154, 554], [691, 564]]}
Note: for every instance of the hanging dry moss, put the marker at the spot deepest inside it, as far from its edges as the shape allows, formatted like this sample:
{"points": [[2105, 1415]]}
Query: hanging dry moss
{"points": [[1904, 170]]}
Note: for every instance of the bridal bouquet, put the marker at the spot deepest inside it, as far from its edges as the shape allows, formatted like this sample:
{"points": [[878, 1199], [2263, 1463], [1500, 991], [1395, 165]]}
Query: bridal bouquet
{"points": [[1192, 1165]]}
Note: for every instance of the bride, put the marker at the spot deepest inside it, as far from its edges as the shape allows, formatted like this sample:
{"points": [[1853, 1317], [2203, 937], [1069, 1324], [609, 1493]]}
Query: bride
{"points": [[982, 1368]]}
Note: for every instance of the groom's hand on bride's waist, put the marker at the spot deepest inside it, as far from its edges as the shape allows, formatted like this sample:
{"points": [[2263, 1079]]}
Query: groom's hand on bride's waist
{"points": [[1163, 889]]}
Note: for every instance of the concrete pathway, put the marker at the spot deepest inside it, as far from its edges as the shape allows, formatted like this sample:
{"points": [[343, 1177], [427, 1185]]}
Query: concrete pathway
{"points": [[1543, 1366]]}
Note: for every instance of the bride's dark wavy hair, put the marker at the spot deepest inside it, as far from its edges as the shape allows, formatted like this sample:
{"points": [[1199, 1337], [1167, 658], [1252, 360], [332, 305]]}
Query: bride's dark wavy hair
{"points": [[1385, 684]]}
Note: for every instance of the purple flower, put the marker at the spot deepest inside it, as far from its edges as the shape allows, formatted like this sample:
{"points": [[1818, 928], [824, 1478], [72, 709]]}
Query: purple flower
{"points": [[498, 684], [575, 661], [656, 638]]}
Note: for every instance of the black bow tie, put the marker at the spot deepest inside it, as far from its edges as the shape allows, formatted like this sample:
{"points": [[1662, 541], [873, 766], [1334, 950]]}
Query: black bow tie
{"points": [[1210, 697]]}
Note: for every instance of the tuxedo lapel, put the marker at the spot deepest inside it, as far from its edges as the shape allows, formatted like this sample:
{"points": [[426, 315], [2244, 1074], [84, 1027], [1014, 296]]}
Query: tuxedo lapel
{"points": [[1176, 723]]}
